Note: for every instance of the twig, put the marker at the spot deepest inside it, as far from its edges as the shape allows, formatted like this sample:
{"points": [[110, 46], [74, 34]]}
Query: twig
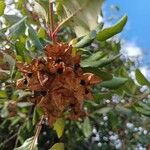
{"points": [[6, 141], [51, 20], [130, 104], [39, 127]]}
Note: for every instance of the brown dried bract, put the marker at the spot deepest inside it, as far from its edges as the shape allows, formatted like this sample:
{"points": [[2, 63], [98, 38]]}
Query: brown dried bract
{"points": [[61, 83]]}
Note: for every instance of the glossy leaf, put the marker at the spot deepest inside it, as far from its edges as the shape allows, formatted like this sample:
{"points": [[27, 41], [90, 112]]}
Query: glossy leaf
{"points": [[142, 110], [40, 11], [27, 145], [103, 110], [81, 15], [59, 127], [88, 39], [141, 79], [87, 128], [2, 7], [58, 146], [97, 63], [115, 83], [42, 33], [115, 29]]}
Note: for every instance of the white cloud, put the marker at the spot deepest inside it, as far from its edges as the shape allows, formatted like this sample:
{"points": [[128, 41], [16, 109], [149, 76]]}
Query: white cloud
{"points": [[132, 50], [135, 53], [146, 72]]}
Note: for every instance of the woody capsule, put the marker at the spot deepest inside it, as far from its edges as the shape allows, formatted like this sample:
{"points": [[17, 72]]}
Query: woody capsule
{"points": [[60, 82]]}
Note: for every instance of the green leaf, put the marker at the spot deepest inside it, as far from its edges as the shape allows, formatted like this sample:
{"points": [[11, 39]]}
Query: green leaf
{"points": [[141, 79], [24, 104], [34, 37], [59, 127], [130, 87], [2, 7], [58, 146], [12, 19], [81, 15], [123, 110], [102, 74], [42, 33], [115, 83], [18, 28], [97, 63], [3, 95], [115, 29], [87, 128], [37, 115], [103, 110], [27, 145], [20, 49], [145, 106], [114, 120], [40, 11], [142, 110], [88, 39]]}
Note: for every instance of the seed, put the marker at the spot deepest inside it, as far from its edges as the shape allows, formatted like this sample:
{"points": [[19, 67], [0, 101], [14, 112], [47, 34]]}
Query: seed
{"points": [[25, 81], [30, 75], [60, 70], [82, 82]]}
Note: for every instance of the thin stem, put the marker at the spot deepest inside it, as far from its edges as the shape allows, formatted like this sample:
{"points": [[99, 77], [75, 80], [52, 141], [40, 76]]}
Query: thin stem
{"points": [[132, 103], [39, 127], [51, 18], [9, 139]]}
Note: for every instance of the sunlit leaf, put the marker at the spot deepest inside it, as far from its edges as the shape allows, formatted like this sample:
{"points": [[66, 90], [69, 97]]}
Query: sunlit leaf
{"points": [[103, 110], [38, 9], [58, 146], [42, 33], [81, 15], [115, 29], [141, 79], [2, 7], [88, 39], [59, 126], [27, 145], [97, 62]]}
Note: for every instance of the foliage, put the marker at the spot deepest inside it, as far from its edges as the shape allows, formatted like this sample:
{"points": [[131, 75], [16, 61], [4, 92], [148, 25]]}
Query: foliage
{"points": [[117, 118]]}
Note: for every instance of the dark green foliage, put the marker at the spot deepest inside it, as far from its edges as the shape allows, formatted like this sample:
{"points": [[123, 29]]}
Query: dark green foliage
{"points": [[119, 113]]}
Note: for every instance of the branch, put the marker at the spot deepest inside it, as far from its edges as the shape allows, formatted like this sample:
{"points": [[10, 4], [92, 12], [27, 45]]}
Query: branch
{"points": [[39, 127]]}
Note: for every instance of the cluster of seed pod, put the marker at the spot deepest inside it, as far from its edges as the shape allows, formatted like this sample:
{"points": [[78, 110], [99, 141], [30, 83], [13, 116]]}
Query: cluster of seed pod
{"points": [[59, 81]]}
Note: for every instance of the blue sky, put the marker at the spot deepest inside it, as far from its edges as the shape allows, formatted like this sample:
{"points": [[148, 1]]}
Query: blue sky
{"points": [[137, 30]]}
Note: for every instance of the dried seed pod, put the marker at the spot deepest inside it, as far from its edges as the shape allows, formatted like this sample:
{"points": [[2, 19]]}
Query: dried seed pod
{"points": [[60, 81]]}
